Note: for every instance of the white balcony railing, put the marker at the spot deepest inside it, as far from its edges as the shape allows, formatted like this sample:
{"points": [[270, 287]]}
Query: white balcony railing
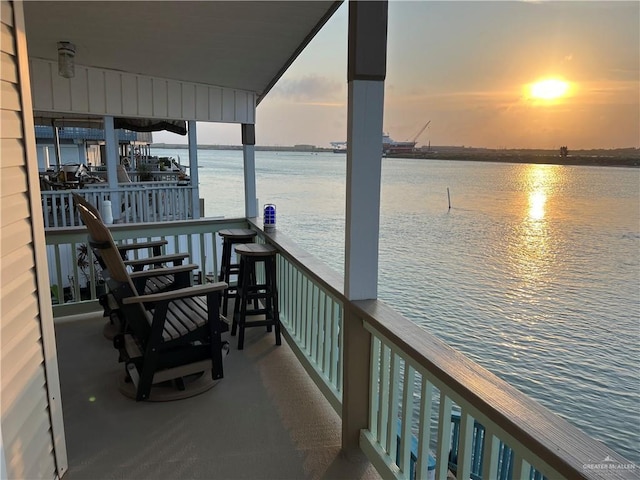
{"points": [[131, 203], [425, 408]]}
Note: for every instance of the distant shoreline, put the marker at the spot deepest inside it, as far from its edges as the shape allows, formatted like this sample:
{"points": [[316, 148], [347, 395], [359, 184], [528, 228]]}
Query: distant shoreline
{"points": [[621, 157], [577, 160]]}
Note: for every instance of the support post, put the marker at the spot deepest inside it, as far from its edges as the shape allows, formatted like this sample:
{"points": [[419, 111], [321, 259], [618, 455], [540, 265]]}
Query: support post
{"points": [[193, 168], [111, 152], [366, 74], [56, 141], [249, 157]]}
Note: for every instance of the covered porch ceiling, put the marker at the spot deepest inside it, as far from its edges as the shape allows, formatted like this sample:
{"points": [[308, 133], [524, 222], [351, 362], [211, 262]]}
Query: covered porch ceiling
{"points": [[246, 45]]}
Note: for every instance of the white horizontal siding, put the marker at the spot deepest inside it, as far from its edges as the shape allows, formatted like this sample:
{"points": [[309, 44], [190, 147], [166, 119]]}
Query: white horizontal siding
{"points": [[25, 416], [96, 91]]}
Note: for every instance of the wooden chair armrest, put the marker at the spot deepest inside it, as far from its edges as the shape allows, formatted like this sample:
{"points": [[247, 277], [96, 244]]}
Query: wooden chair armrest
{"points": [[137, 246], [196, 291], [156, 272], [140, 262]]}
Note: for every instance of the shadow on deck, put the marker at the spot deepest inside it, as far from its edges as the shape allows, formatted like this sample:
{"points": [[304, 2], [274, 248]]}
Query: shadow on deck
{"points": [[265, 420]]}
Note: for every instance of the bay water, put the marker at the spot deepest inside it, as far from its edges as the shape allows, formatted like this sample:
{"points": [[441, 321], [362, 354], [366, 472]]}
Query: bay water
{"points": [[534, 271]]}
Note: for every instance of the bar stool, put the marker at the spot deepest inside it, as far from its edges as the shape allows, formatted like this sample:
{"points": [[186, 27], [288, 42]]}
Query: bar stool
{"points": [[230, 237], [250, 291]]}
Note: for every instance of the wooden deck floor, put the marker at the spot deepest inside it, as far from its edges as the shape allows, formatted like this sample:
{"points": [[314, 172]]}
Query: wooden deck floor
{"points": [[265, 420]]}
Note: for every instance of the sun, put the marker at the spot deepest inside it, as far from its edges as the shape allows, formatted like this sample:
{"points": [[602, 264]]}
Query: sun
{"points": [[549, 89]]}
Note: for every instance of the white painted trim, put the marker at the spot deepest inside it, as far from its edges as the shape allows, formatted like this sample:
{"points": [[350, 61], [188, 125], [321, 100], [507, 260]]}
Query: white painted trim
{"points": [[100, 92], [364, 165], [39, 247]]}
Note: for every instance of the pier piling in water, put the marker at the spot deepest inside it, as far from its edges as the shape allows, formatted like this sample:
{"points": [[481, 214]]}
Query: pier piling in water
{"points": [[449, 198]]}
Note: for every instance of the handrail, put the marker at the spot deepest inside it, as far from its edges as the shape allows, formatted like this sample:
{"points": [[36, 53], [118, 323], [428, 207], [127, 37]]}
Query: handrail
{"points": [[539, 438], [412, 376], [131, 202], [195, 237]]}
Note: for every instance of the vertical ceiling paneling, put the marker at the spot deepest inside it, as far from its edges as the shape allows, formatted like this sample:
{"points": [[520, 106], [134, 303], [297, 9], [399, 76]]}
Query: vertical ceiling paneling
{"points": [[129, 95], [80, 90], [215, 104], [145, 96], [113, 91], [102, 92], [159, 99], [97, 95], [202, 102], [188, 101], [228, 106], [174, 99]]}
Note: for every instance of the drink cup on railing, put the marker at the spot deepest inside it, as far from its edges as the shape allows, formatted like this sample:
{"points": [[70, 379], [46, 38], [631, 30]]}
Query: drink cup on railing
{"points": [[269, 217]]}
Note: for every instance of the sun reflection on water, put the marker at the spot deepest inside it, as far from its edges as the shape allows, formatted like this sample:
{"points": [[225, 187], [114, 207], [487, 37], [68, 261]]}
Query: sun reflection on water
{"points": [[531, 249], [537, 200]]}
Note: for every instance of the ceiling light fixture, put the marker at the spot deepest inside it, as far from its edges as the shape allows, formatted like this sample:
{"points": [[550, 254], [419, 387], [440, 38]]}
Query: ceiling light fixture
{"points": [[66, 62]]}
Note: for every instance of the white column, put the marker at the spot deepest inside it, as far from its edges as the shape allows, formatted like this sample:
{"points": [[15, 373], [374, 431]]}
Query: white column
{"points": [[249, 157], [366, 73], [364, 164], [111, 151], [193, 167]]}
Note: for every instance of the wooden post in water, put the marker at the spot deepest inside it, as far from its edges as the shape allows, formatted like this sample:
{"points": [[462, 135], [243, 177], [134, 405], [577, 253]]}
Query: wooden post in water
{"points": [[449, 198]]}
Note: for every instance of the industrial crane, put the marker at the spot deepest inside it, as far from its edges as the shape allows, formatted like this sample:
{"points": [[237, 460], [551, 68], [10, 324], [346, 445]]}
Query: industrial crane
{"points": [[415, 139]]}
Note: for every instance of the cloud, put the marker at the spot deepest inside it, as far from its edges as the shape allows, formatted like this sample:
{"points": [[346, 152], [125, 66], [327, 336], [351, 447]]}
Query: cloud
{"points": [[312, 89]]}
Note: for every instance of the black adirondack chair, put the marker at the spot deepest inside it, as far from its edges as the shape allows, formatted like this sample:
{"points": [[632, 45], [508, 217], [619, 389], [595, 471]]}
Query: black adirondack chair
{"points": [[175, 339], [161, 280]]}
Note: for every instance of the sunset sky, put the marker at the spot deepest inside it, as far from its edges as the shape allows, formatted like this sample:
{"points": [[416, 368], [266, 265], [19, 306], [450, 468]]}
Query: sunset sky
{"points": [[468, 67]]}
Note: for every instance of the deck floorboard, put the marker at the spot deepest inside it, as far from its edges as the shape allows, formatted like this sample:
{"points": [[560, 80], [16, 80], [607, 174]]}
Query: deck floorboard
{"points": [[265, 420]]}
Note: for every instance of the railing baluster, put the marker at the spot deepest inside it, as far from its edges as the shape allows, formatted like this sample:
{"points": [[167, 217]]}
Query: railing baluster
{"points": [[490, 455], [322, 326], [520, 471], [424, 441], [383, 395], [313, 310], [374, 387], [464, 449], [407, 415], [444, 436], [394, 400]]}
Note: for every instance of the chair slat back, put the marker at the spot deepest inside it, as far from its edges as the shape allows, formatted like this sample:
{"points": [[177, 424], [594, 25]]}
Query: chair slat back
{"points": [[100, 235], [80, 200]]}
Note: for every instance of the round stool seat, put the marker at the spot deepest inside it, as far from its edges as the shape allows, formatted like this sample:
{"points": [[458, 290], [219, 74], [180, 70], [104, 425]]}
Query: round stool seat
{"points": [[237, 233], [261, 293], [255, 249], [230, 237]]}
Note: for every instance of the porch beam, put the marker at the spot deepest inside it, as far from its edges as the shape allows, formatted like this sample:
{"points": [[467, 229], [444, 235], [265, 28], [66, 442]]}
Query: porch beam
{"points": [[366, 73], [249, 158]]}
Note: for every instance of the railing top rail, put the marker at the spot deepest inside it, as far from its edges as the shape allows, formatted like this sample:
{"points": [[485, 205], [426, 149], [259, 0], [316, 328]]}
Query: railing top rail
{"points": [[101, 187], [155, 229], [562, 446], [320, 273]]}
